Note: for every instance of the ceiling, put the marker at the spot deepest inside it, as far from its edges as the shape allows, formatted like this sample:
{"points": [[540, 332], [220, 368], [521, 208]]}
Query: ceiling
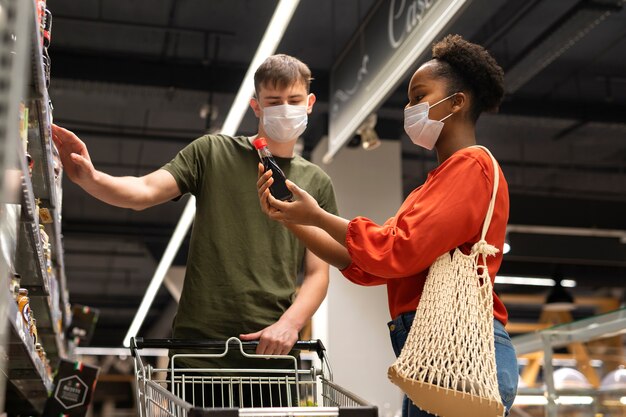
{"points": [[139, 79]]}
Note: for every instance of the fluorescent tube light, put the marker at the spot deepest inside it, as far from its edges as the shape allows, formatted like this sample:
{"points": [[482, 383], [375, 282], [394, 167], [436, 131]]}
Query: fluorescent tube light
{"points": [[111, 351], [562, 400], [273, 34], [574, 400], [530, 400], [541, 282], [164, 264], [269, 43]]}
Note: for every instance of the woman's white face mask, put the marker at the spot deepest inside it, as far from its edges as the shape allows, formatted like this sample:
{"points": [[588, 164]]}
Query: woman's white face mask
{"points": [[423, 131], [285, 122]]}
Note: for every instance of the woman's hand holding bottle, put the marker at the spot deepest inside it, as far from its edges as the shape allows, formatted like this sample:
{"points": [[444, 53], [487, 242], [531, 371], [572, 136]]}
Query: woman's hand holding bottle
{"points": [[302, 210]]}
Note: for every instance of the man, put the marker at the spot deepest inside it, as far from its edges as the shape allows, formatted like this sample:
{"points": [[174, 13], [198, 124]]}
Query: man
{"points": [[241, 268]]}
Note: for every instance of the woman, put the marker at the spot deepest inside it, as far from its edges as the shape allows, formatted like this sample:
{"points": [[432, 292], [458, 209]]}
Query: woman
{"points": [[446, 96]]}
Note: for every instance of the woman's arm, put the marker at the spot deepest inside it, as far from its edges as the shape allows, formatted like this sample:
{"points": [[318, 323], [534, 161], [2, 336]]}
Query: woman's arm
{"points": [[331, 249], [322, 244]]}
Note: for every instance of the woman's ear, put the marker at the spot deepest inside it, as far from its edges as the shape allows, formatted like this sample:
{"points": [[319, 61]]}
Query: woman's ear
{"points": [[459, 102]]}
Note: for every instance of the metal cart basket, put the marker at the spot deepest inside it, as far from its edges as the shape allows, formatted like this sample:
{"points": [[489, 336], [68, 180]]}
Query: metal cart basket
{"points": [[258, 392]]}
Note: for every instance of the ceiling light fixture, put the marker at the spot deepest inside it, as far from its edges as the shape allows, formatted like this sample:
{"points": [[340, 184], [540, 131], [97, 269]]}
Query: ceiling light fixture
{"points": [[369, 137], [559, 299], [273, 34]]}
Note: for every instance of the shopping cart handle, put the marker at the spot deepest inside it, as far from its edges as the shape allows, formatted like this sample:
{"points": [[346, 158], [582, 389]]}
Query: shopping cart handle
{"points": [[141, 343]]}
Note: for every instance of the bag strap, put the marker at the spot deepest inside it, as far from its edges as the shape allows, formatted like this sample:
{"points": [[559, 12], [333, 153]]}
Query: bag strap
{"points": [[496, 183]]}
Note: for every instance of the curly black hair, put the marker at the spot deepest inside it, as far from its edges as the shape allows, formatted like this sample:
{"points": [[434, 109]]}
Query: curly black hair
{"points": [[470, 68]]}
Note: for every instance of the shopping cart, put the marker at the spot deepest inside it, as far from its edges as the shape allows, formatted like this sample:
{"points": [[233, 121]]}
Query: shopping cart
{"points": [[211, 392]]}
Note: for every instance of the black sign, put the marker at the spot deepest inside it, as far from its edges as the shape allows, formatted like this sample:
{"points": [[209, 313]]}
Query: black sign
{"points": [[71, 392], [74, 384]]}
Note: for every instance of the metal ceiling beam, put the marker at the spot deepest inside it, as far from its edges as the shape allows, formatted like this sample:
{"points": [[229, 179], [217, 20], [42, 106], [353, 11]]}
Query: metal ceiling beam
{"points": [[567, 212], [150, 70], [602, 112], [117, 24], [103, 66], [145, 70], [558, 38], [159, 232], [553, 165]]}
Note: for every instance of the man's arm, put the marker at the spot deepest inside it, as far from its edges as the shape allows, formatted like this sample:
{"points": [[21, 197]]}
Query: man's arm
{"points": [[136, 193], [279, 338]]}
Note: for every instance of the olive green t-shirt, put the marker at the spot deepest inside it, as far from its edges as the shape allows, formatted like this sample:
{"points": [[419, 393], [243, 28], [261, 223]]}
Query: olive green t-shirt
{"points": [[242, 266]]}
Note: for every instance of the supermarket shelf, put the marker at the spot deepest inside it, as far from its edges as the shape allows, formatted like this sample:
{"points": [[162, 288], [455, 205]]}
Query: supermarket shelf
{"points": [[28, 195], [30, 262], [40, 148], [38, 88], [28, 382], [56, 238], [596, 327], [25, 369], [52, 338], [40, 118]]}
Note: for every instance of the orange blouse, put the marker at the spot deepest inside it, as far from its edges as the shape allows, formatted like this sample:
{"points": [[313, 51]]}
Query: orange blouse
{"points": [[446, 212]]}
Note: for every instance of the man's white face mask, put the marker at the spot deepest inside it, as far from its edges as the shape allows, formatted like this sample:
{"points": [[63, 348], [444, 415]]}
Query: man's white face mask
{"points": [[286, 122], [423, 131]]}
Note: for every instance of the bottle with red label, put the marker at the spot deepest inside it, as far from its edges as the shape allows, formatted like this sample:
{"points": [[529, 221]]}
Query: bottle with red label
{"points": [[278, 188]]}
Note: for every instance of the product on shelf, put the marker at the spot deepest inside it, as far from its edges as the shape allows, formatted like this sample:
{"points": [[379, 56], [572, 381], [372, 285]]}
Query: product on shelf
{"points": [[58, 176], [41, 17], [36, 213], [31, 163], [23, 303], [47, 29], [48, 256], [46, 363], [39, 350], [47, 63], [45, 239], [15, 286], [33, 329], [23, 124]]}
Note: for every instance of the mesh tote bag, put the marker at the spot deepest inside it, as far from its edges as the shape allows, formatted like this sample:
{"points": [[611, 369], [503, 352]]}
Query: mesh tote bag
{"points": [[448, 364]]}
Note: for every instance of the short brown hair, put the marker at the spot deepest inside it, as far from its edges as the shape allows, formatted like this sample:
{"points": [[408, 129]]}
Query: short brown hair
{"points": [[282, 71]]}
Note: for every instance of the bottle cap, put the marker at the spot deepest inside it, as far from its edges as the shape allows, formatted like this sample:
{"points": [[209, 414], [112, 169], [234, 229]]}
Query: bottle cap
{"points": [[259, 143]]}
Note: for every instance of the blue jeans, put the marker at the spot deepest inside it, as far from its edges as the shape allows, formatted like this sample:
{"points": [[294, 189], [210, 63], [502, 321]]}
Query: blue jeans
{"points": [[506, 362]]}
